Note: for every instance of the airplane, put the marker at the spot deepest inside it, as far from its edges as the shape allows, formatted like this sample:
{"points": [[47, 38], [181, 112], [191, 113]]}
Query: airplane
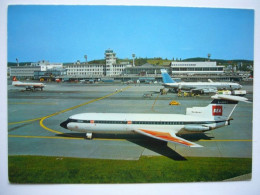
{"points": [[28, 86], [164, 127], [197, 87]]}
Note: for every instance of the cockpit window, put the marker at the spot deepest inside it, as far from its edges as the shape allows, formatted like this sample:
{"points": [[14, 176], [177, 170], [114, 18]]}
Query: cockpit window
{"points": [[78, 121], [72, 120]]}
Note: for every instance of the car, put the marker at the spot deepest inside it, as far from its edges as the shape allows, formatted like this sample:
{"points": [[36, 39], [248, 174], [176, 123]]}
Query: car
{"points": [[174, 103]]}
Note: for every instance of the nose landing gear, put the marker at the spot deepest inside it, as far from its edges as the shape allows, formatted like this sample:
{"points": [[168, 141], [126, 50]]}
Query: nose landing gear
{"points": [[89, 135]]}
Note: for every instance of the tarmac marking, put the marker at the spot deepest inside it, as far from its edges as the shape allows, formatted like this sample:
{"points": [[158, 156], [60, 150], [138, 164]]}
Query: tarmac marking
{"points": [[26, 121], [111, 139], [228, 140], [74, 107], [155, 101], [30, 120]]}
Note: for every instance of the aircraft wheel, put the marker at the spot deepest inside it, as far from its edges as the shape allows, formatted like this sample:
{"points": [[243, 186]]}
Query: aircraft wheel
{"points": [[89, 135]]}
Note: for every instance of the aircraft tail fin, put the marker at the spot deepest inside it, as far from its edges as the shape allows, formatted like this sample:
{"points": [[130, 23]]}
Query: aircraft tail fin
{"points": [[15, 81], [221, 107], [166, 77]]}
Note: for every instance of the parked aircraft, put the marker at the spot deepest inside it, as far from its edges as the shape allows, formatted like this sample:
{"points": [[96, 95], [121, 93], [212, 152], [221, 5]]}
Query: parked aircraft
{"points": [[28, 86], [159, 126], [197, 87]]}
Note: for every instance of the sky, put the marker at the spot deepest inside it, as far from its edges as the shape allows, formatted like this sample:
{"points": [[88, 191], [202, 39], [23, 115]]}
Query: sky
{"points": [[67, 33]]}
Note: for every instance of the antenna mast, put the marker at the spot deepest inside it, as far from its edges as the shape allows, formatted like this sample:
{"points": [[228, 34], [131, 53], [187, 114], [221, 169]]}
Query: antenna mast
{"points": [[86, 58]]}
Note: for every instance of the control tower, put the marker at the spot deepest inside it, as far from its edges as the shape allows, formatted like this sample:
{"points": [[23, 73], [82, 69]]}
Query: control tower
{"points": [[110, 57]]}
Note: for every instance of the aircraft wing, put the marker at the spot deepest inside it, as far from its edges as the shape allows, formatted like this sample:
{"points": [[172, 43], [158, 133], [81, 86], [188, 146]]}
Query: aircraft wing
{"points": [[205, 89], [167, 136]]}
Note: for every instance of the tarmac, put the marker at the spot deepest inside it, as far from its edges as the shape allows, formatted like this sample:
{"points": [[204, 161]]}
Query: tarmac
{"points": [[34, 123]]}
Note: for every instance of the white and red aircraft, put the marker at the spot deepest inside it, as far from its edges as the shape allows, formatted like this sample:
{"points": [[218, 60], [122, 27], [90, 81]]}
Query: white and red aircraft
{"points": [[159, 126], [28, 86]]}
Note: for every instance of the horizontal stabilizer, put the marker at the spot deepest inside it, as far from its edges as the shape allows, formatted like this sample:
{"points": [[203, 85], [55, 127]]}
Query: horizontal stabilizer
{"points": [[230, 97], [204, 90]]}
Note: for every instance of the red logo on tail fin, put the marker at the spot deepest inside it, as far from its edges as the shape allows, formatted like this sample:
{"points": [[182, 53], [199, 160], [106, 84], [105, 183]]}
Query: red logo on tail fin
{"points": [[217, 110], [15, 79]]}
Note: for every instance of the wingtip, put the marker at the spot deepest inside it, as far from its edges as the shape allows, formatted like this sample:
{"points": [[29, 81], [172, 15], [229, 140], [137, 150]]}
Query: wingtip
{"points": [[196, 146], [173, 145]]}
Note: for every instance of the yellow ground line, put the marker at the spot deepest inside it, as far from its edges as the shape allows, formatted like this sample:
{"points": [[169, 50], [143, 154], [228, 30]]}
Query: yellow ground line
{"points": [[228, 140], [30, 120], [155, 101], [74, 107], [26, 121], [46, 128]]}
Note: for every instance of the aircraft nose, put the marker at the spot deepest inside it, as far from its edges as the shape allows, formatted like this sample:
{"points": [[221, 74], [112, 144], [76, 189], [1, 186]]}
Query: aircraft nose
{"points": [[64, 124]]}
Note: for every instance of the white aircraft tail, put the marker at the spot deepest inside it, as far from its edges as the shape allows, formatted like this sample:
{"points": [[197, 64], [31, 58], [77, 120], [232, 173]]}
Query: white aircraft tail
{"points": [[221, 107]]}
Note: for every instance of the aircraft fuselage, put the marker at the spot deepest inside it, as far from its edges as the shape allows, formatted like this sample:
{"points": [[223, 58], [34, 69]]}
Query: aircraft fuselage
{"points": [[201, 85], [121, 123]]}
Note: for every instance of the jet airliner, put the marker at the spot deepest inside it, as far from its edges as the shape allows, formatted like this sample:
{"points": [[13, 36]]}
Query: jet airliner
{"points": [[201, 87], [28, 86], [164, 127]]}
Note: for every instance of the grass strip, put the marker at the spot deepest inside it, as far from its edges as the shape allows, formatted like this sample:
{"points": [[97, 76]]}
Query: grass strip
{"points": [[41, 169]]}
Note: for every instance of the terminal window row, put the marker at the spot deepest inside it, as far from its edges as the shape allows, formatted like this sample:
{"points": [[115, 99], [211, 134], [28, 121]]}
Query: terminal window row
{"points": [[198, 69], [183, 64], [79, 69], [84, 73]]}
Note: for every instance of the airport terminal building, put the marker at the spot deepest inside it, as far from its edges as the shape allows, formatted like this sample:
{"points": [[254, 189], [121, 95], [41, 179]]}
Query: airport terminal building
{"points": [[38, 68], [23, 71], [193, 68], [143, 70], [122, 71], [46, 65], [86, 70]]}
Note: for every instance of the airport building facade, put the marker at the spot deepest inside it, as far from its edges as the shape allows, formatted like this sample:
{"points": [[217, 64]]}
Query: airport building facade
{"points": [[49, 74], [191, 68], [177, 68], [24, 71], [82, 70], [144, 70], [36, 69], [46, 65], [86, 70]]}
